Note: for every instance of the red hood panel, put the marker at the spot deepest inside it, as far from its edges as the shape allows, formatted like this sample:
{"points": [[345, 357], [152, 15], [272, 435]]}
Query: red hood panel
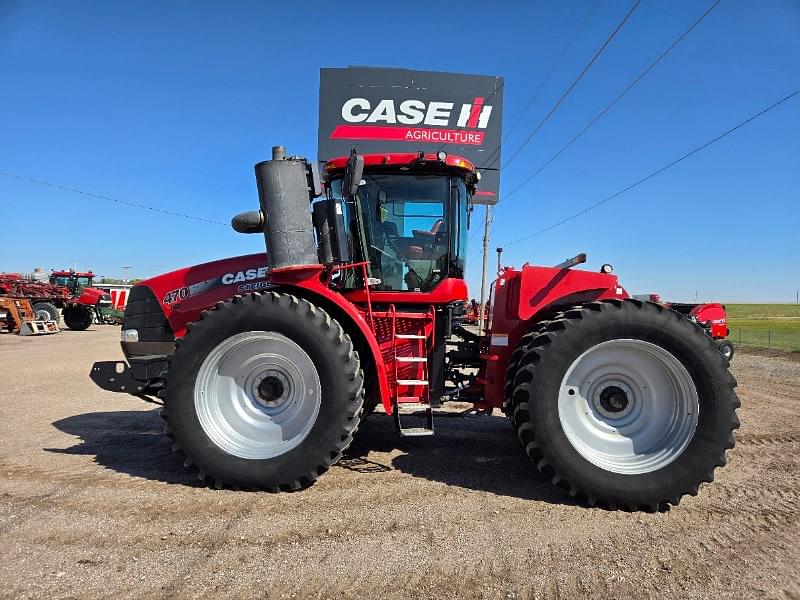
{"points": [[184, 293]]}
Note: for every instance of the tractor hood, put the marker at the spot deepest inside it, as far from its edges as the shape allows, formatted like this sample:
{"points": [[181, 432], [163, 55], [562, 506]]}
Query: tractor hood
{"points": [[186, 292], [92, 295]]}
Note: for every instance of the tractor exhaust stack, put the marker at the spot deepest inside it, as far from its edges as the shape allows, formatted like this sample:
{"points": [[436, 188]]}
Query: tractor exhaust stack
{"points": [[286, 186]]}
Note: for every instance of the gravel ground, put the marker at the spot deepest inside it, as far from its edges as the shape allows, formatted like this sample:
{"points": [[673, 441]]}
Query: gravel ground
{"points": [[93, 504]]}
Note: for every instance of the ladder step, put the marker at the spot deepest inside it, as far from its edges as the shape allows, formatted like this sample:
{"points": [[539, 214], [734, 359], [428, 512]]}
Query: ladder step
{"points": [[412, 382], [411, 359], [401, 315], [408, 399], [415, 431], [413, 405], [409, 336]]}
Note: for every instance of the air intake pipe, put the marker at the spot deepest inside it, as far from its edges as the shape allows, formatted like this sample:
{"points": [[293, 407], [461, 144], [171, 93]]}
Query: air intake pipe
{"points": [[286, 186]]}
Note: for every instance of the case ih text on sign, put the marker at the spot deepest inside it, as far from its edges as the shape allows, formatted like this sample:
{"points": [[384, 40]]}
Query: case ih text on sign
{"points": [[413, 112], [381, 111]]}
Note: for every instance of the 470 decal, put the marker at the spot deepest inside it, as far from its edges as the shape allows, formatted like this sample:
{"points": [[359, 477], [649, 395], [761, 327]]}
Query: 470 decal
{"points": [[246, 275], [174, 295]]}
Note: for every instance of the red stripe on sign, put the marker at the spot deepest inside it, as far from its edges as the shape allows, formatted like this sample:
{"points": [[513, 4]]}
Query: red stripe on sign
{"points": [[477, 105], [483, 193], [407, 134]]}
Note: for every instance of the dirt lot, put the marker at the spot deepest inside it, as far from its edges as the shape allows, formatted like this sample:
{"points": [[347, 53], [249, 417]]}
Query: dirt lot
{"points": [[93, 504]]}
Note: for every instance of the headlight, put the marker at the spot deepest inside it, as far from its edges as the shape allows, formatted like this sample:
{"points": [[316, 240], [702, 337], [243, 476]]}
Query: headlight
{"points": [[129, 335], [606, 268]]}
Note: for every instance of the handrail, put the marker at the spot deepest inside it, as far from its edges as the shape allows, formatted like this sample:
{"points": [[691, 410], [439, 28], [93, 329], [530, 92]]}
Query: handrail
{"points": [[363, 265]]}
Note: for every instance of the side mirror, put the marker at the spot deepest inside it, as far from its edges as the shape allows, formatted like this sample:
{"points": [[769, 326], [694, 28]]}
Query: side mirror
{"points": [[352, 175]]}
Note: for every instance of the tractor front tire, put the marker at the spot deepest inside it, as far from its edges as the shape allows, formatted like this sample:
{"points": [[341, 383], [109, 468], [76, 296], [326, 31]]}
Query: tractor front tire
{"points": [[46, 311], [625, 404], [77, 317], [264, 392]]}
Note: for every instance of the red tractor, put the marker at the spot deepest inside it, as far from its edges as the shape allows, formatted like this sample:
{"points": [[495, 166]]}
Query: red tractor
{"points": [[268, 363], [85, 304]]}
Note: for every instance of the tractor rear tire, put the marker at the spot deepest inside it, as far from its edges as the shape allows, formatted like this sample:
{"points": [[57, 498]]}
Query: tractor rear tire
{"points": [[77, 317], [725, 348], [514, 361], [625, 404], [46, 311], [264, 392]]}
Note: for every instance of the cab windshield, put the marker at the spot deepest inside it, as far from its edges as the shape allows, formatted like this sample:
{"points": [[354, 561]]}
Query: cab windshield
{"points": [[78, 282], [411, 228]]}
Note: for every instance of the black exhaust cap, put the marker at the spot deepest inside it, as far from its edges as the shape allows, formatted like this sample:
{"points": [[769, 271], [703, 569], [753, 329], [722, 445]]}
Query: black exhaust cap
{"points": [[251, 221]]}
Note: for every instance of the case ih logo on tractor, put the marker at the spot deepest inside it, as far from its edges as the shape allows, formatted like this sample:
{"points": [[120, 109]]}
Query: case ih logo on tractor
{"points": [[621, 402]]}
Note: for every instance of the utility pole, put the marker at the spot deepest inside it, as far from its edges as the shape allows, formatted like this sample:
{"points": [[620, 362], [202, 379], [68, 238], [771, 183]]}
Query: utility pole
{"points": [[125, 268], [486, 222]]}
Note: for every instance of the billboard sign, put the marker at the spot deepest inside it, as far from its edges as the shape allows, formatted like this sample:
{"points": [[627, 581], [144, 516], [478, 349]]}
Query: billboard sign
{"points": [[380, 110]]}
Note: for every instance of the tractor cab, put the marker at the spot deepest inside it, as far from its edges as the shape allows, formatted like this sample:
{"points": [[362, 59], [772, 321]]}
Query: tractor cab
{"points": [[405, 215], [74, 281]]}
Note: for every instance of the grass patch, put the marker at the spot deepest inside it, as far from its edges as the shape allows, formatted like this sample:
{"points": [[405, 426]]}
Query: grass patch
{"points": [[765, 325]]}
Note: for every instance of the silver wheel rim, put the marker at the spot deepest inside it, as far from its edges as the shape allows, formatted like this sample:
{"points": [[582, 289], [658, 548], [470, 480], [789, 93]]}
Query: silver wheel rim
{"points": [[257, 395], [628, 406], [42, 315], [726, 351]]}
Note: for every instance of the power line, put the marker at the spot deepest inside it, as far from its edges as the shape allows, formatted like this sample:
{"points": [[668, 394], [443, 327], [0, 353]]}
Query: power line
{"points": [[117, 200], [656, 172], [553, 68], [574, 83], [619, 97]]}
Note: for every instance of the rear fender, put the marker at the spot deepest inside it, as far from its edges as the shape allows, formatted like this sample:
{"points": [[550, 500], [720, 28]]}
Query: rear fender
{"points": [[525, 297]]}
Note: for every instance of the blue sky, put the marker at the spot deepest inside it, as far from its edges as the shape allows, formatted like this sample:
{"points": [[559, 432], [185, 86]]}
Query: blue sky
{"points": [[171, 103]]}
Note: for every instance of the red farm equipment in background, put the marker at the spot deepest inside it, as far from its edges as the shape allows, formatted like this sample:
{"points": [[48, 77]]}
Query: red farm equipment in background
{"points": [[473, 312], [87, 303], [267, 364], [68, 294], [46, 299], [710, 316]]}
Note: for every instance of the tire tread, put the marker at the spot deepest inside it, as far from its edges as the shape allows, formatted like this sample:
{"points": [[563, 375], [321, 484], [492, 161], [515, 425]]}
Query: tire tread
{"points": [[350, 365]]}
